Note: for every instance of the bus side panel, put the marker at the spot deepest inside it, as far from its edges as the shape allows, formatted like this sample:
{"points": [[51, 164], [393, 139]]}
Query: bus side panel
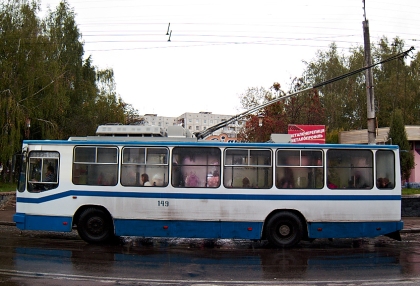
{"points": [[188, 229], [43, 223], [352, 229]]}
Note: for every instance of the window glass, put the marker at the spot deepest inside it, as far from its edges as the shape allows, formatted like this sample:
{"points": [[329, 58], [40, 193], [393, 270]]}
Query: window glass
{"points": [[21, 158], [134, 155], [95, 166], [42, 171], [385, 169], [302, 169], [85, 154], [145, 166], [350, 169], [196, 167], [107, 155], [248, 168]]}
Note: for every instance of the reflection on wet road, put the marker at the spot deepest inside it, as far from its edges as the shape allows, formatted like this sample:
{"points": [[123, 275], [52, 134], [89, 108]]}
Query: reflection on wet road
{"points": [[185, 262]]}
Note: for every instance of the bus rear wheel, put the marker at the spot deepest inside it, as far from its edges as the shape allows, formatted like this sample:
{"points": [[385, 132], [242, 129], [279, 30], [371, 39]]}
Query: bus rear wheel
{"points": [[95, 226], [284, 229]]}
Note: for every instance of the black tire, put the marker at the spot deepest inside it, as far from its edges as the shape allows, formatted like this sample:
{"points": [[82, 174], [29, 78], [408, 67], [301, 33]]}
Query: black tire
{"points": [[95, 226], [284, 229]]}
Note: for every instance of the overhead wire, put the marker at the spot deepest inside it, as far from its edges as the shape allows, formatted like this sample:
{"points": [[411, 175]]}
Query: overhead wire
{"points": [[233, 23]]}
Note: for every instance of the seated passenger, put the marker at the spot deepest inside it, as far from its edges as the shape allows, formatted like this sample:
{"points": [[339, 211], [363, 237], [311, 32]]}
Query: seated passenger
{"points": [[50, 176], [145, 180], [331, 185], [192, 181], [246, 183], [213, 180], [387, 184], [380, 183], [287, 182], [157, 180]]}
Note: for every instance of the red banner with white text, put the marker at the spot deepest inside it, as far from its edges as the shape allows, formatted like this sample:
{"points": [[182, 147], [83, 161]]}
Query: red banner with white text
{"points": [[307, 133]]}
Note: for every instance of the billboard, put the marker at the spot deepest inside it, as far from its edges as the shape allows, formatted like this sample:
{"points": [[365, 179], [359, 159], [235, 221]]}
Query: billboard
{"points": [[306, 133]]}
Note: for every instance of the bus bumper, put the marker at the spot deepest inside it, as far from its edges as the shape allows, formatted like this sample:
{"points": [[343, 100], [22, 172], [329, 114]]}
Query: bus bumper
{"points": [[43, 223]]}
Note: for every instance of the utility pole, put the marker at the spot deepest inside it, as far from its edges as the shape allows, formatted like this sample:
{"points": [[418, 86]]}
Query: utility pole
{"points": [[369, 83]]}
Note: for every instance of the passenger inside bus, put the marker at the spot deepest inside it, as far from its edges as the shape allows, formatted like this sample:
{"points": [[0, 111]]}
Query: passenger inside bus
{"points": [[384, 183], [246, 183], [50, 175], [331, 185], [192, 180], [177, 177], [387, 184], [287, 182], [145, 180], [213, 179], [157, 180]]}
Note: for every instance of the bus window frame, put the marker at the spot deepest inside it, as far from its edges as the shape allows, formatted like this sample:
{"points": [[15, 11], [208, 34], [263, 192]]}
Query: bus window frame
{"points": [[380, 176], [354, 173], [291, 167], [184, 179], [101, 179], [40, 185], [243, 165], [155, 180]]}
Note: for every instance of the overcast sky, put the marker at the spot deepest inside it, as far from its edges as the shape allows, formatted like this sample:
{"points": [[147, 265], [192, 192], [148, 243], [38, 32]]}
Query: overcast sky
{"points": [[219, 48]]}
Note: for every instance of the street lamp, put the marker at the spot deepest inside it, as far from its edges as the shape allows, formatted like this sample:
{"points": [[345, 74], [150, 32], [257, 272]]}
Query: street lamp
{"points": [[260, 119]]}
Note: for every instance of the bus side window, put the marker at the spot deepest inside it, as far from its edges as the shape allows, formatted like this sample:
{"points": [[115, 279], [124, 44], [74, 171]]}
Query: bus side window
{"points": [[248, 168], [350, 169], [385, 175], [150, 161], [194, 167], [95, 165], [301, 169], [43, 171]]}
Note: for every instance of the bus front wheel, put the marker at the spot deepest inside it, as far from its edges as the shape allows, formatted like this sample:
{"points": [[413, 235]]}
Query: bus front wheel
{"points": [[95, 226], [284, 229]]}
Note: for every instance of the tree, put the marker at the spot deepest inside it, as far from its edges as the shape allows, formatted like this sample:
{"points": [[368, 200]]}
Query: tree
{"points": [[398, 135], [20, 65], [344, 101], [304, 108], [273, 116], [45, 78]]}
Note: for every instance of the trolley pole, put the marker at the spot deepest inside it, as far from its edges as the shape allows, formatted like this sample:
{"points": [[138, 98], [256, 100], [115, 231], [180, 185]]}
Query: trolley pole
{"points": [[369, 86]]}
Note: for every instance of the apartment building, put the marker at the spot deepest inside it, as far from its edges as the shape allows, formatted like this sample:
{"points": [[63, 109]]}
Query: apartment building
{"points": [[195, 122]]}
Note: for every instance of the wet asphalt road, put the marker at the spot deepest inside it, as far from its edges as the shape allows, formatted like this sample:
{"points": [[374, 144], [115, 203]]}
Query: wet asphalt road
{"points": [[40, 258]]}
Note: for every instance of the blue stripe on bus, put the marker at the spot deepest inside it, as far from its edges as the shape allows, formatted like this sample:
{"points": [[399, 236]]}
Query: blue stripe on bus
{"points": [[211, 229], [352, 229], [190, 229], [196, 196]]}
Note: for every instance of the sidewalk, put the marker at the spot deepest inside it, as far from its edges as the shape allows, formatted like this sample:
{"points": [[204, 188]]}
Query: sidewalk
{"points": [[7, 210]]}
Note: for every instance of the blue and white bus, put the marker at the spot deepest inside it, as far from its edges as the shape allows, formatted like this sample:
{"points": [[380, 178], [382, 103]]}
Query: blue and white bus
{"points": [[150, 186]]}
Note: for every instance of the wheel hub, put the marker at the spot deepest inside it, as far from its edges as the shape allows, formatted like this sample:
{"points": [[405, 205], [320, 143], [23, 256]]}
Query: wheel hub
{"points": [[95, 225], [284, 230]]}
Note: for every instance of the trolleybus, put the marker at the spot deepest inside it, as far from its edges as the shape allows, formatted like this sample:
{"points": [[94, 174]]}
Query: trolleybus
{"points": [[153, 186]]}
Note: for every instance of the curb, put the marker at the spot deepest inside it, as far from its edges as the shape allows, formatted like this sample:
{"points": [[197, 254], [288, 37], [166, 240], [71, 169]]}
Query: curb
{"points": [[410, 230], [7, 223]]}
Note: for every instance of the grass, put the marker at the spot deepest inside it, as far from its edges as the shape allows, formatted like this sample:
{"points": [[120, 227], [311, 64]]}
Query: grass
{"points": [[7, 187], [410, 191]]}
